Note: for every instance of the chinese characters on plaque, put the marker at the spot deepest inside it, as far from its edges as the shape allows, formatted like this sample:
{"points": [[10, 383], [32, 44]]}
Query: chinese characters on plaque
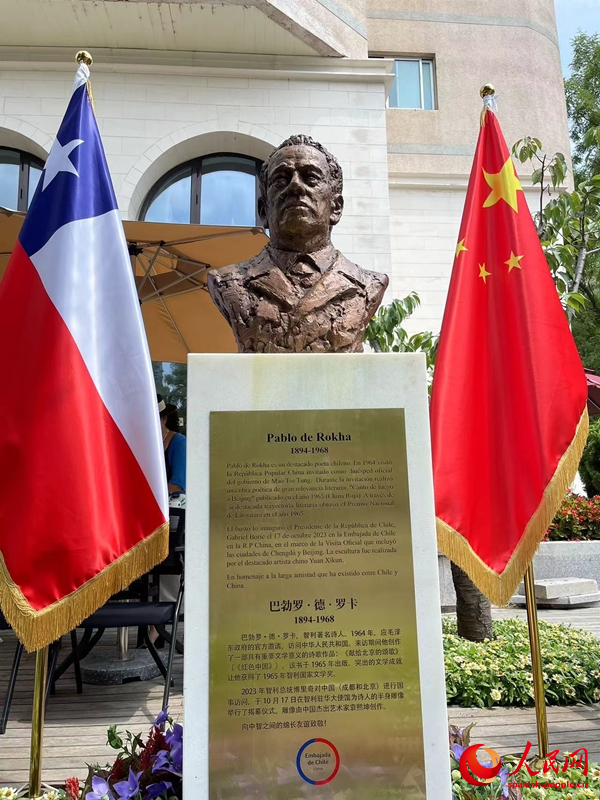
{"points": [[314, 675]]}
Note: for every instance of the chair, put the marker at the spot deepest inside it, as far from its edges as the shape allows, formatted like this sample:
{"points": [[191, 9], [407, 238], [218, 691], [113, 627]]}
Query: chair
{"points": [[140, 613], [12, 678]]}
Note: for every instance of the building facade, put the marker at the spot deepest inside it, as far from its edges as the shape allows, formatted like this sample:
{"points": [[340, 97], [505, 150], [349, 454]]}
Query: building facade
{"points": [[191, 97]]}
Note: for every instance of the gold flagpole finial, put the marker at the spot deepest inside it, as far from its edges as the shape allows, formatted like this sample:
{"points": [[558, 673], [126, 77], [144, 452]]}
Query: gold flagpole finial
{"points": [[83, 73], [84, 56], [488, 95]]}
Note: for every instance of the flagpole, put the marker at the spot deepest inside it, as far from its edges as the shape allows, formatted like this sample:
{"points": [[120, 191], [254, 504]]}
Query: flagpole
{"points": [[37, 723], [41, 656], [536, 664]]}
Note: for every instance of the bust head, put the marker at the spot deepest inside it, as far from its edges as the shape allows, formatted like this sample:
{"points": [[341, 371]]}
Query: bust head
{"points": [[300, 196]]}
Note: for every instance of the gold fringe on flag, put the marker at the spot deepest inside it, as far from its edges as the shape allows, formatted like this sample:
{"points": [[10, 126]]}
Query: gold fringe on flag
{"points": [[500, 587], [36, 629]]}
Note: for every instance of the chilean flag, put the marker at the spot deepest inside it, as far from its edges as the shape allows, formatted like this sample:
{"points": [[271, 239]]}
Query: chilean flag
{"points": [[83, 494]]}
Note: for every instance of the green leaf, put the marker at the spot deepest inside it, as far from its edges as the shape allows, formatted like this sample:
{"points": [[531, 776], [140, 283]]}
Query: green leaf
{"points": [[114, 740], [575, 201], [576, 301]]}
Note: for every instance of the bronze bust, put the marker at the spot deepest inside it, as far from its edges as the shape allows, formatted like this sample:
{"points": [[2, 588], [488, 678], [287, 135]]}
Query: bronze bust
{"points": [[299, 294]]}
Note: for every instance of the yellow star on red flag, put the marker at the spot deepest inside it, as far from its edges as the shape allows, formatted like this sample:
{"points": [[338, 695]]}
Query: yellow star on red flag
{"points": [[513, 262], [460, 247], [483, 273], [504, 186]]}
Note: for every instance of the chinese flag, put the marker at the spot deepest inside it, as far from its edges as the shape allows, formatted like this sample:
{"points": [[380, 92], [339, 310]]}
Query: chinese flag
{"points": [[508, 411]]}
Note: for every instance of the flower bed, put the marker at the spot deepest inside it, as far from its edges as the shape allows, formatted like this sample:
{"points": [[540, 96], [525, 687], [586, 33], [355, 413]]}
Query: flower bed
{"points": [[577, 520], [142, 770], [498, 672]]}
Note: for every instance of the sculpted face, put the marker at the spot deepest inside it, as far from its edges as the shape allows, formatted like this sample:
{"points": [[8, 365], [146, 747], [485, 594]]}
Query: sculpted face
{"points": [[300, 206]]}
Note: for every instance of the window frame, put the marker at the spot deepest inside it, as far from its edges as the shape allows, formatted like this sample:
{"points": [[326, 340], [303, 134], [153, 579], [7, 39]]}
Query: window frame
{"points": [[26, 161], [199, 167], [430, 58]]}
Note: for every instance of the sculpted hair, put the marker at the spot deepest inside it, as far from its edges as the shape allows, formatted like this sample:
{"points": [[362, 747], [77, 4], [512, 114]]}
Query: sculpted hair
{"points": [[335, 171]]}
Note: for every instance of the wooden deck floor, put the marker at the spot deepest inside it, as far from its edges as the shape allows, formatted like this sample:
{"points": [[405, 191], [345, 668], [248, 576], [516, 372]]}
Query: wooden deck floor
{"points": [[75, 732], [76, 725]]}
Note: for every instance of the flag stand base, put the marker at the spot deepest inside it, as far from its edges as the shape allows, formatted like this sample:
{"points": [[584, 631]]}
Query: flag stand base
{"points": [[536, 664], [37, 724]]}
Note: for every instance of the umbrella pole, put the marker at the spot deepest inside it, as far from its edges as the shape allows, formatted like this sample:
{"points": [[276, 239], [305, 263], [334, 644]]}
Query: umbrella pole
{"points": [[37, 723], [536, 664]]}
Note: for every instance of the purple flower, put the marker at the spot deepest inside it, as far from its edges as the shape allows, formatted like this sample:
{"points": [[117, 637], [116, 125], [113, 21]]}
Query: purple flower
{"points": [[161, 761], [129, 788], [101, 790], [156, 789], [175, 741], [457, 751], [177, 758], [503, 775], [162, 718], [176, 735]]}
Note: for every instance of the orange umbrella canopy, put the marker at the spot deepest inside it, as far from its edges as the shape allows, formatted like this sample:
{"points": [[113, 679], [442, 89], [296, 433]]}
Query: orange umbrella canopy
{"points": [[170, 264]]}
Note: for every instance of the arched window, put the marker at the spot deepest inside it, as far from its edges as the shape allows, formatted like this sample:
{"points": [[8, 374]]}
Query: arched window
{"points": [[213, 190], [19, 176]]}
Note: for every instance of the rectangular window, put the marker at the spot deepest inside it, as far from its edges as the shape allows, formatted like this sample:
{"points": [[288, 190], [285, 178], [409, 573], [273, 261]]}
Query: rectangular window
{"points": [[413, 85]]}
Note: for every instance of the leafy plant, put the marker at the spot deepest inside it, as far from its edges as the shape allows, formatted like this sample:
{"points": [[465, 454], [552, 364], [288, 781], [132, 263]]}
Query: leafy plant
{"points": [[142, 770], [552, 167], [385, 333], [568, 224], [498, 672], [582, 90]]}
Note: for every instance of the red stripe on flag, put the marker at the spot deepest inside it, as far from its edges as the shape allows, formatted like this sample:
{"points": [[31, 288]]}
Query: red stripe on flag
{"points": [[73, 498]]}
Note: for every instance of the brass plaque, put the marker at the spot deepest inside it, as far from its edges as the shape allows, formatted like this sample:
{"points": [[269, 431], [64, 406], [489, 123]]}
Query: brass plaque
{"points": [[314, 678]]}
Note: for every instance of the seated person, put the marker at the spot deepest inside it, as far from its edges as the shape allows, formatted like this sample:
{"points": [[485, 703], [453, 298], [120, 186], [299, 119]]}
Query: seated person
{"points": [[175, 462], [175, 452]]}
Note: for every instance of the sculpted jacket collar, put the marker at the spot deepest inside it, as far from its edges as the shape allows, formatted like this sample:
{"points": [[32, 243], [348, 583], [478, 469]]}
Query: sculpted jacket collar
{"points": [[338, 279], [285, 259]]}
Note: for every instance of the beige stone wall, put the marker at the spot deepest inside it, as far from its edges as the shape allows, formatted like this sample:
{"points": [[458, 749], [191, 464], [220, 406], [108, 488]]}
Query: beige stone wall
{"points": [[330, 27], [151, 119], [511, 43]]}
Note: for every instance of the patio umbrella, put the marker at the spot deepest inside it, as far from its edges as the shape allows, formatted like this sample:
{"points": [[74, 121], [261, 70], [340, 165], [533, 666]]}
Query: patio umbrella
{"points": [[593, 386], [170, 264]]}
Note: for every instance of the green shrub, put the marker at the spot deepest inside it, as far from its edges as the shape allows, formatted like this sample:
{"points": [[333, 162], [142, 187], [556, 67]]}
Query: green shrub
{"points": [[589, 467], [578, 519], [498, 672]]}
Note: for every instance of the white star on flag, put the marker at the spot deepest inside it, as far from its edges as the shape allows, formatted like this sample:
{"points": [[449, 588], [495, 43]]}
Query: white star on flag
{"points": [[59, 161]]}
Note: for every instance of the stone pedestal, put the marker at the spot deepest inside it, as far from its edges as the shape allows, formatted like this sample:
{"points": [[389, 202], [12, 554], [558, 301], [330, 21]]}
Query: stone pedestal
{"points": [[303, 383]]}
